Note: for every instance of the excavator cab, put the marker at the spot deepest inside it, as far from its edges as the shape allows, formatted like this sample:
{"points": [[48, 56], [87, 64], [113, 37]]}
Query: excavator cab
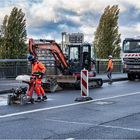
{"points": [[79, 57]]}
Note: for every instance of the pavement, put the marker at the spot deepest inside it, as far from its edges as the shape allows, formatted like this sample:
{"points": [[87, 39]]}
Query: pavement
{"points": [[7, 84]]}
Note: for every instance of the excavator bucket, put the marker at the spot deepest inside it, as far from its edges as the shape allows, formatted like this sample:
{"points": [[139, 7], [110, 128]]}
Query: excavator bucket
{"points": [[53, 83], [50, 85]]}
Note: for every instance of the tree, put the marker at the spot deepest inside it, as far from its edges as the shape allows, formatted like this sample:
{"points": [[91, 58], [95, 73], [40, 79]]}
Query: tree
{"points": [[107, 38], [13, 35], [2, 39]]}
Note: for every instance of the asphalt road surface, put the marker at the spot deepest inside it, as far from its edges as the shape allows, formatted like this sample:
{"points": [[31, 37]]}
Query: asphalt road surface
{"points": [[114, 113]]}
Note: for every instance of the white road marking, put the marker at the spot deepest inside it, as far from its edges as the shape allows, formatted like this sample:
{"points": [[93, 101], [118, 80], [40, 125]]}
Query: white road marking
{"points": [[70, 139], [90, 124], [63, 121], [66, 105], [118, 127]]}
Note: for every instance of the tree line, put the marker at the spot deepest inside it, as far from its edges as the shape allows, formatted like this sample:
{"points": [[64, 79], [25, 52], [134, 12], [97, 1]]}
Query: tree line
{"points": [[13, 35]]}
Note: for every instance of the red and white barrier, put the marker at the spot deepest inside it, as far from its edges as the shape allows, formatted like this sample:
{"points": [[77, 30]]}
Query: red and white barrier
{"points": [[84, 83], [84, 87]]}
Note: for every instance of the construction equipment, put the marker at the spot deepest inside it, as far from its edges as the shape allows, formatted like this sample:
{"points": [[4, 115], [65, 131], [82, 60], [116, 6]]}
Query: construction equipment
{"points": [[78, 58], [19, 95]]}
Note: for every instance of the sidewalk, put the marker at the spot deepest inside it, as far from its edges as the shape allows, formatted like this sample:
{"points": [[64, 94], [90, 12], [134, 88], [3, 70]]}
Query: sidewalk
{"points": [[115, 77], [7, 84]]}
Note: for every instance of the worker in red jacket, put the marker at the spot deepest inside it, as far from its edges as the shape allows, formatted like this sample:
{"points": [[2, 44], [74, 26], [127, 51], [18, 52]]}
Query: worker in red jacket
{"points": [[110, 69], [38, 69]]}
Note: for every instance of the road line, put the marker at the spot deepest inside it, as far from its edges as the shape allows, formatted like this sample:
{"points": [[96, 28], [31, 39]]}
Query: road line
{"points": [[67, 105], [77, 123], [118, 127], [70, 139], [90, 124]]}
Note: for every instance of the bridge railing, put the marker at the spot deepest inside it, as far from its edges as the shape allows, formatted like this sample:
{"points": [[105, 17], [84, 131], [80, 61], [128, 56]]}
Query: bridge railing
{"points": [[10, 68], [101, 66]]}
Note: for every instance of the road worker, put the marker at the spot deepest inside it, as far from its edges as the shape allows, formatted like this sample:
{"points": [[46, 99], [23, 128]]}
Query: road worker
{"points": [[110, 69], [38, 69]]}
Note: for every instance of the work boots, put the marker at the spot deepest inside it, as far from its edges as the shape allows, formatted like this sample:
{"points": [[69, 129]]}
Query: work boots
{"points": [[38, 99], [44, 98]]}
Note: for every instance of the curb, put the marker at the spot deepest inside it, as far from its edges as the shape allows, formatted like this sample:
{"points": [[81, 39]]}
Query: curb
{"points": [[115, 80], [6, 91]]}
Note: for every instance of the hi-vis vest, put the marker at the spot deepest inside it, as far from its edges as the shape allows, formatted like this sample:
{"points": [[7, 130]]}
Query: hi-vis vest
{"points": [[110, 64], [38, 67]]}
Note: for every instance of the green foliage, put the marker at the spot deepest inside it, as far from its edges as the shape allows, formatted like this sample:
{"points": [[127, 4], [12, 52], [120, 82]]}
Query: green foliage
{"points": [[107, 38], [13, 35]]}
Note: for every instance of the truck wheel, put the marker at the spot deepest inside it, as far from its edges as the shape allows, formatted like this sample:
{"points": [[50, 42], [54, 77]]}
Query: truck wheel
{"points": [[131, 77]]}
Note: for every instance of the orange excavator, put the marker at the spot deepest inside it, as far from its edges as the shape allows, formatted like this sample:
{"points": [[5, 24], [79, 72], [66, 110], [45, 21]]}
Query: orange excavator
{"points": [[78, 58]]}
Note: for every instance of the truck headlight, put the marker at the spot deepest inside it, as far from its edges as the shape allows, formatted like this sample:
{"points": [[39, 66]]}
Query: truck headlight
{"points": [[125, 66]]}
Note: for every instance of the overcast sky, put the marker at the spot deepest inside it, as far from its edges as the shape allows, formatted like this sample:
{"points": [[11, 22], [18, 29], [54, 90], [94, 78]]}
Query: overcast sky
{"points": [[48, 18]]}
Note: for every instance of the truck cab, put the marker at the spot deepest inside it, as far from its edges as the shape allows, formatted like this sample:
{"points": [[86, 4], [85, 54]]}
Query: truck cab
{"points": [[131, 57]]}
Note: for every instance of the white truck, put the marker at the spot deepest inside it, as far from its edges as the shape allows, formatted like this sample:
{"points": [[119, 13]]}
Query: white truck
{"points": [[131, 57]]}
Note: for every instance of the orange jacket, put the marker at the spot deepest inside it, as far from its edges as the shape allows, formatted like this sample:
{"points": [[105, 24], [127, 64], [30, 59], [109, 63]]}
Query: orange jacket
{"points": [[110, 65], [38, 67]]}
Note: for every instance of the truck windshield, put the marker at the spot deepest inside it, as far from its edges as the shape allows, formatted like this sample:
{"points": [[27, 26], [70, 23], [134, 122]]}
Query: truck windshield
{"points": [[131, 46]]}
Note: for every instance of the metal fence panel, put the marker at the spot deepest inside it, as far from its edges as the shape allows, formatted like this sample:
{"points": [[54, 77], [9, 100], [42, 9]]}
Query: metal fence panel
{"points": [[10, 68], [101, 65]]}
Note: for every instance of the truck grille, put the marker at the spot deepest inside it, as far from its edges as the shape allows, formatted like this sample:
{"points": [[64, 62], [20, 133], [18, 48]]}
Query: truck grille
{"points": [[132, 61]]}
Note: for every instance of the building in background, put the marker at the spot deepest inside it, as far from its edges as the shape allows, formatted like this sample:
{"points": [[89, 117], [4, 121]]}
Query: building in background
{"points": [[71, 39]]}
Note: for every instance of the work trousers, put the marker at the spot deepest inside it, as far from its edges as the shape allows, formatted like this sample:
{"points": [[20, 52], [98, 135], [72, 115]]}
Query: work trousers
{"points": [[38, 88], [109, 75]]}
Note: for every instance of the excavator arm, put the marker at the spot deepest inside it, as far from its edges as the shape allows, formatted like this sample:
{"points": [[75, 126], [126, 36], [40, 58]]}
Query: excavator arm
{"points": [[53, 47]]}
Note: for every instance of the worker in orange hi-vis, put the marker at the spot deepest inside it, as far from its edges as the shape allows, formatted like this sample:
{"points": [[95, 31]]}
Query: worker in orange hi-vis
{"points": [[110, 69], [38, 69]]}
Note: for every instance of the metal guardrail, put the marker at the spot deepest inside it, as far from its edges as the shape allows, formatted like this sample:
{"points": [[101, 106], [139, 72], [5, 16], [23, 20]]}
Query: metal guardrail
{"points": [[101, 65], [10, 68]]}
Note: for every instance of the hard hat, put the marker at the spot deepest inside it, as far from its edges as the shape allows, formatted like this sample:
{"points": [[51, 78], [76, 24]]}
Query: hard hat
{"points": [[31, 58], [110, 56]]}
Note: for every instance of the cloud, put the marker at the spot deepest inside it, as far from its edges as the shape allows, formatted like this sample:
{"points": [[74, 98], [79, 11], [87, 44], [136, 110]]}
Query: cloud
{"points": [[130, 31], [48, 18]]}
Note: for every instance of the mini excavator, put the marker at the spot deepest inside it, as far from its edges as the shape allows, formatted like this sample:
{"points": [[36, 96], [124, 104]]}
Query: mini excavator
{"points": [[78, 58]]}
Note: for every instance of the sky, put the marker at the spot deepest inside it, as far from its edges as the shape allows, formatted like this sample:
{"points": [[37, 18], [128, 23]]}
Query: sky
{"points": [[47, 19]]}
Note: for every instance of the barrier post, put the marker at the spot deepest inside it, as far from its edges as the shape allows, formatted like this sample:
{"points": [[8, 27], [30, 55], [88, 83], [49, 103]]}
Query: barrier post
{"points": [[84, 87], [84, 83]]}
